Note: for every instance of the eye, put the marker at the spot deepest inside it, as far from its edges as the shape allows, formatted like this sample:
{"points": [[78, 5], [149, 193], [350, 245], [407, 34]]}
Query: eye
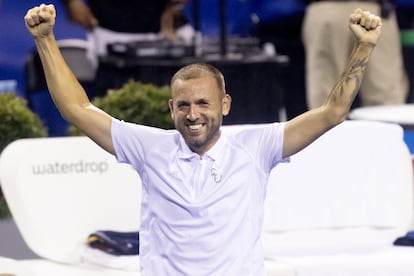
{"points": [[203, 103], [182, 105]]}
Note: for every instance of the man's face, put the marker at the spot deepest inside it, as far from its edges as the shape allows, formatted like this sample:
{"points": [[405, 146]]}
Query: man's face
{"points": [[197, 108]]}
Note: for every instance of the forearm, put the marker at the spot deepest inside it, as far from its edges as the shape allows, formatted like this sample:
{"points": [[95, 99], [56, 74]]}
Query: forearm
{"points": [[65, 90], [341, 97], [304, 129]]}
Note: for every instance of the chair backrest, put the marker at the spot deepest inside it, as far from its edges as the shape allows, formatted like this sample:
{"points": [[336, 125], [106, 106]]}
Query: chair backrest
{"points": [[402, 114], [60, 190], [351, 190]]}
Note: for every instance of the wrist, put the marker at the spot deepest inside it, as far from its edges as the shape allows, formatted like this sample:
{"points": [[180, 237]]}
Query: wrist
{"points": [[363, 49], [366, 45]]}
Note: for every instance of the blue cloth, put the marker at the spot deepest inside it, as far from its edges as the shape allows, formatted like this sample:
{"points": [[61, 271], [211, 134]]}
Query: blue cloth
{"points": [[407, 240], [115, 243]]}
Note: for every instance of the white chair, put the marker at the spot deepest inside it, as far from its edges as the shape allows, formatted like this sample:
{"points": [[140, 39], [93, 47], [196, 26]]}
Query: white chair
{"points": [[402, 114], [339, 205], [399, 114], [59, 191]]}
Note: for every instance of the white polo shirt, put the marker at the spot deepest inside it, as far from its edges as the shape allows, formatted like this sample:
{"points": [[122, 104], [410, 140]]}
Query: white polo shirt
{"points": [[200, 215]]}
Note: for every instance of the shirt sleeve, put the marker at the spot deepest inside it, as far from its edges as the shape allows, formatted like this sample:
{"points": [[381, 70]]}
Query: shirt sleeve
{"points": [[133, 141], [265, 144]]}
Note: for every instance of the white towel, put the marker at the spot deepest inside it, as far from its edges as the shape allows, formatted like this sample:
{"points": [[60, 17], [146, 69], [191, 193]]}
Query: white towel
{"points": [[98, 257]]}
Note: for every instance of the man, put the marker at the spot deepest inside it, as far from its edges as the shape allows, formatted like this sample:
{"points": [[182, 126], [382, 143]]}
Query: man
{"points": [[203, 191]]}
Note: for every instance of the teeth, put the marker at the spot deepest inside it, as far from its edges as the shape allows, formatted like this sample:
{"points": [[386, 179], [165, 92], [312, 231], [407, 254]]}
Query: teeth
{"points": [[195, 127]]}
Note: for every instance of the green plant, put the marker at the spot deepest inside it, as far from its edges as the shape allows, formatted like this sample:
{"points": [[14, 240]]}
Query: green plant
{"points": [[137, 103], [16, 121]]}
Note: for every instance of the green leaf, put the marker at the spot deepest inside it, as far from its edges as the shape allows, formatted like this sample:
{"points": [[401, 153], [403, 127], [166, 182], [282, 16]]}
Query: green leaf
{"points": [[16, 121]]}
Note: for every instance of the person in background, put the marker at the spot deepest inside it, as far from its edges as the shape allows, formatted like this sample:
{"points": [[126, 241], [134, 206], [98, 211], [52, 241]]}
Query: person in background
{"points": [[328, 43], [203, 190], [123, 21]]}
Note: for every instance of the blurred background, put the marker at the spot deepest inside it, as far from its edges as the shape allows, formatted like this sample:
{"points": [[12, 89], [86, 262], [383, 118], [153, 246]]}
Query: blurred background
{"points": [[276, 21]]}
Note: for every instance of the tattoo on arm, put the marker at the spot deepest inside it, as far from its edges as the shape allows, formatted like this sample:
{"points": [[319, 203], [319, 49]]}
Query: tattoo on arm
{"points": [[350, 82]]}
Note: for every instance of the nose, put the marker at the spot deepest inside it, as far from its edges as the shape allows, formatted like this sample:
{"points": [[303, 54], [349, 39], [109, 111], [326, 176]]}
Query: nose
{"points": [[193, 113]]}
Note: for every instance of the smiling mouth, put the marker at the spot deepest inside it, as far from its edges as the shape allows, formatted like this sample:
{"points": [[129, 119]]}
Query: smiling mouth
{"points": [[195, 127]]}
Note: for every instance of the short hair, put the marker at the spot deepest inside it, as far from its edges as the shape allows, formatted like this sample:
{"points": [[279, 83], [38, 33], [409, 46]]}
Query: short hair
{"points": [[198, 70]]}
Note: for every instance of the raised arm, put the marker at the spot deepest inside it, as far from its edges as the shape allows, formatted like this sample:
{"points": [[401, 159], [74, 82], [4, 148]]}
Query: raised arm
{"points": [[304, 129], [68, 95]]}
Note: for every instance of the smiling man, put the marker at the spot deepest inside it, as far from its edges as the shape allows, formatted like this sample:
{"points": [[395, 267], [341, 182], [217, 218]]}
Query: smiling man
{"points": [[203, 190], [199, 102]]}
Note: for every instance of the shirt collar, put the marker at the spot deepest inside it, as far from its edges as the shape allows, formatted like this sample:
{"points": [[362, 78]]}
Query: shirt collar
{"points": [[186, 153]]}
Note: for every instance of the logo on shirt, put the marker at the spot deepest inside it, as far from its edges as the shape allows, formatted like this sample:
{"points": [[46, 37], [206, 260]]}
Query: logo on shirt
{"points": [[216, 175]]}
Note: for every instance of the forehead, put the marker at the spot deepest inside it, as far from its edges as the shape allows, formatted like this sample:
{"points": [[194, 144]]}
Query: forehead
{"points": [[201, 87]]}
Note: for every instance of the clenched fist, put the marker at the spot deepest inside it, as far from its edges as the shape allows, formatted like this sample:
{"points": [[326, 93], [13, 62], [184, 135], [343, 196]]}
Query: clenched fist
{"points": [[365, 26], [40, 20]]}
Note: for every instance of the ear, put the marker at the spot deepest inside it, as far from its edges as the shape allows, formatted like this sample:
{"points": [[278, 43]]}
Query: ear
{"points": [[171, 106], [226, 104]]}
